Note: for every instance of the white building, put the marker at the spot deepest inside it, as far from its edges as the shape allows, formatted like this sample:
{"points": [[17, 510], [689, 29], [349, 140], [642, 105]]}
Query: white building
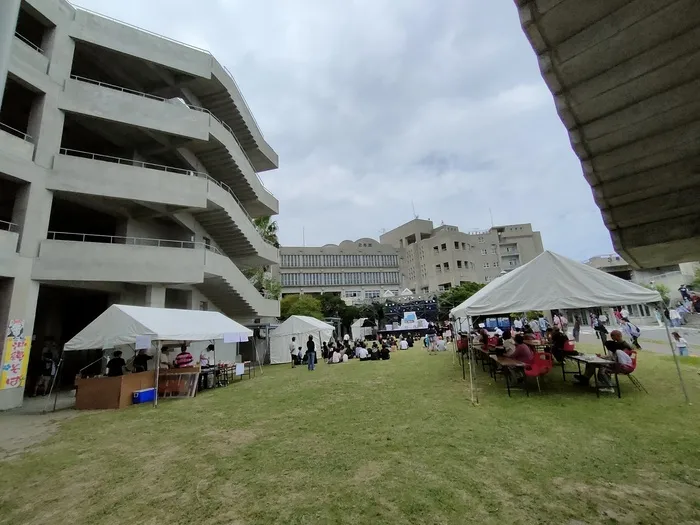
{"points": [[128, 174]]}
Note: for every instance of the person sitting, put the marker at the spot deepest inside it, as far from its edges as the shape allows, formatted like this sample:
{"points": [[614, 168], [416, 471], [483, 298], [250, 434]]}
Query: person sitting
{"points": [[374, 354], [508, 343], [115, 366], [558, 340], [362, 354], [335, 357], [384, 353], [521, 352], [184, 358], [440, 344], [403, 344], [324, 351], [620, 359]]}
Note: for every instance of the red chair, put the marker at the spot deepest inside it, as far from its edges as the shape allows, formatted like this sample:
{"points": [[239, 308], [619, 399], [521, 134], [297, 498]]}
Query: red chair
{"points": [[541, 365], [628, 372], [569, 346], [493, 342]]}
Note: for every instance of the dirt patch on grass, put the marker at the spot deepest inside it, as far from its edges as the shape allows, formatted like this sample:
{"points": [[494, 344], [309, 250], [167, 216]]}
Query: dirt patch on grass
{"points": [[369, 471], [224, 441], [20, 432]]}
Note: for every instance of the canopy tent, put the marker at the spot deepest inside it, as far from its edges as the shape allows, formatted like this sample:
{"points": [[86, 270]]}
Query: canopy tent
{"points": [[300, 327], [120, 325], [388, 293], [551, 281], [361, 328], [406, 292]]}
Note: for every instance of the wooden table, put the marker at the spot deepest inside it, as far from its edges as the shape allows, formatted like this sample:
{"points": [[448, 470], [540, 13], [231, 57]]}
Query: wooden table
{"points": [[110, 392], [507, 362], [597, 362]]}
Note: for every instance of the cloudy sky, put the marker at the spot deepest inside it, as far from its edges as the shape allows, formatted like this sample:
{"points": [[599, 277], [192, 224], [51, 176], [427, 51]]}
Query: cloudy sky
{"points": [[374, 105]]}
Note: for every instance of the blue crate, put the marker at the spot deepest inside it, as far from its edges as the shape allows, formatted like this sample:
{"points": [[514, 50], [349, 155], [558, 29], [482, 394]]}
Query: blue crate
{"points": [[147, 395]]}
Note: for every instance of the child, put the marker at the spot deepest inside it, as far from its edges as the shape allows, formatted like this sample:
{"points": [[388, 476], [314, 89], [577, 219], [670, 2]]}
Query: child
{"points": [[681, 344]]}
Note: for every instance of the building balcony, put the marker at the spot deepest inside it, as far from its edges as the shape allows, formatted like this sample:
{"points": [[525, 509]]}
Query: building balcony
{"points": [[214, 143], [29, 54], [213, 204], [77, 257], [16, 143]]}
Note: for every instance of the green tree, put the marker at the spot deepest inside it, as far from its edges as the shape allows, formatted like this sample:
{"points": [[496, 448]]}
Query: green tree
{"points": [[302, 304], [663, 290], [267, 228], [331, 305], [448, 299], [695, 285], [348, 316]]}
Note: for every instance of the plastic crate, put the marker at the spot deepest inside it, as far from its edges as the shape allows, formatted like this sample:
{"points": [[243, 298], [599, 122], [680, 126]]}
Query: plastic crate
{"points": [[147, 395]]}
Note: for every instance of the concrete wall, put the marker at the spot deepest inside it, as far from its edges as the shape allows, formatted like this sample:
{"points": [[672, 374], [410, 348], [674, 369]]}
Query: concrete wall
{"points": [[8, 254], [93, 177], [16, 146]]}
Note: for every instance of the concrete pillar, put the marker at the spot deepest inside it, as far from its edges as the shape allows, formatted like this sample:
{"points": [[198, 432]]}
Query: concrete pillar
{"points": [[9, 11], [59, 47], [31, 213], [46, 126], [18, 299], [155, 296]]}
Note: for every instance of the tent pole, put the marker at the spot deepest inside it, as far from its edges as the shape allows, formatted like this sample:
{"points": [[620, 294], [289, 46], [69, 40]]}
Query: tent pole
{"points": [[470, 354], [156, 373], [675, 356]]}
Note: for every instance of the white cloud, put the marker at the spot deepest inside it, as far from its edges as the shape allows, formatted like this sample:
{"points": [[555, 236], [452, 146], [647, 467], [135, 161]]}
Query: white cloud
{"points": [[373, 104]]}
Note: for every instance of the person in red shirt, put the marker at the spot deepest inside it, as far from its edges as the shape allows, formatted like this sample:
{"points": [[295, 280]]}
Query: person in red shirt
{"points": [[522, 352], [184, 358]]}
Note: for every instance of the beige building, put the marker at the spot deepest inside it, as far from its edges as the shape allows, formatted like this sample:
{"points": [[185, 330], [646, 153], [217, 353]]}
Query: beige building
{"points": [[436, 259], [363, 269]]}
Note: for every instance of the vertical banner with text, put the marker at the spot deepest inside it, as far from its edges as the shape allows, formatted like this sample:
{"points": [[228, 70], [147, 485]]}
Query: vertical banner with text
{"points": [[15, 357]]}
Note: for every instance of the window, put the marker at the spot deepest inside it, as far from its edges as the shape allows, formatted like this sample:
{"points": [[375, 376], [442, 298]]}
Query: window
{"points": [[486, 265], [459, 264], [447, 266], [207, 242], [436, 249], [443, 247], [371, 294], [438, 268], [487, 278], [493, 250], [456, 245], [464, 245], [351, 294], [495, 265], [203, 305], [511, 263], [481, 240], [484, 252]]}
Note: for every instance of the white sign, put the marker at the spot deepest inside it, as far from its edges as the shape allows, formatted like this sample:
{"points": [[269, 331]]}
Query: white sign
{"points": [[143, 342], [240, 369]]}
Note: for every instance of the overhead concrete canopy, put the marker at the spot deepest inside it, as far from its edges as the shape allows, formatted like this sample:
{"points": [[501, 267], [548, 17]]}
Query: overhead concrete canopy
{"points": [[625, 75]]}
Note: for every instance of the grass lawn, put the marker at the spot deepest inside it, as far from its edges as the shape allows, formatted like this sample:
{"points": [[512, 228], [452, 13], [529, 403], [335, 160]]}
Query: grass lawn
{"points": [[373, 443]]}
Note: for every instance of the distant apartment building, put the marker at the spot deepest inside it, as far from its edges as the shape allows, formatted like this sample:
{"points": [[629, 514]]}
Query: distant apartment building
{"points": [[672, 276], [359, 270], [436, 259]]}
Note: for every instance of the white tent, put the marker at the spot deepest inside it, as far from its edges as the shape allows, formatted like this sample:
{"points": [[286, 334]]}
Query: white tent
{"points": [[359, 331], [406, 292], [300, 327], [121, 324], [551, 281], [388, 293]]}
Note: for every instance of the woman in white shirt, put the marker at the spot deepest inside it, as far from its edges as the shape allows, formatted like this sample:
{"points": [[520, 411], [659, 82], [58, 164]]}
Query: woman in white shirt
{"points": [[681, 344]]}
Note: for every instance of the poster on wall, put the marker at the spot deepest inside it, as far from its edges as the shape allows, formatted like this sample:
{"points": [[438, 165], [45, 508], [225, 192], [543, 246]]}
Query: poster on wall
{"points": [[15, 357]]}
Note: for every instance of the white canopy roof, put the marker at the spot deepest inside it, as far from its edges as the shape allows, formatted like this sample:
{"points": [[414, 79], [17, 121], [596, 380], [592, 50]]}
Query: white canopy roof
{"points": [[300, 327], [358, 322], [406, 292], [120, 324], [298, 324], [551, 281]]}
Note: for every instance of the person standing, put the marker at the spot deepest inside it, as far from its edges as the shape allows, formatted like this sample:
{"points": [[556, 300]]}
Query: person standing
{"points": [[577, 327], [293, 351], [683, 289], [681, 344], [115, 366], [518, 325], [184, 358], [543, 324], [311, 353], [633, 332]]}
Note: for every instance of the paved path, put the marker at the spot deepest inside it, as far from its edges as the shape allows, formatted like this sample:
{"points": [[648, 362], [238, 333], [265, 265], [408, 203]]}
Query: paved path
{"points": [[653, 338]]}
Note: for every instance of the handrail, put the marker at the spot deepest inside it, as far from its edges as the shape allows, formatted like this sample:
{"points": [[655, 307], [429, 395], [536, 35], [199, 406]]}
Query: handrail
{"points": [[29, 42], [8, 226], [21, 134], [190, 106], [133, 241], [161, 167], [245, 103]]}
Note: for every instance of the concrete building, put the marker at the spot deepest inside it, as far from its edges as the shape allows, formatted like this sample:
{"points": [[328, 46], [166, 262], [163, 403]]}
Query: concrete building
{"points": [[625, 77], [671, 276], [359, 270], [128, 174], [435, 259]]}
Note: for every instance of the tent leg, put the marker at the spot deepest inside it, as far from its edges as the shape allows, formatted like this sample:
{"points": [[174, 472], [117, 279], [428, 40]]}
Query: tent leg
{"points": [[156, 373], [675, 357]]}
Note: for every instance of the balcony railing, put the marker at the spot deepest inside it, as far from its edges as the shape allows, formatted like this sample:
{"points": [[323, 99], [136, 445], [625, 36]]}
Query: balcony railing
{"points": [[29, 43], [181, 101], [161, 167], [8, 226], [130, 241], [245, 103], [17, 133]]}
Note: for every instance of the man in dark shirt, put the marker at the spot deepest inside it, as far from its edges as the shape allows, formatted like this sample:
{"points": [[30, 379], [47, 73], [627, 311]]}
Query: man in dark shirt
{"points": [[558, 340], [141, 361], [115, 366]]}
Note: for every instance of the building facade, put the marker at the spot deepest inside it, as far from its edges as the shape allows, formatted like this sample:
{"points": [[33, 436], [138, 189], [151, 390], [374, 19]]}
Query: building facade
{"points": [[672, 276], [359, 270], [435, 259], [128, 174]]}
